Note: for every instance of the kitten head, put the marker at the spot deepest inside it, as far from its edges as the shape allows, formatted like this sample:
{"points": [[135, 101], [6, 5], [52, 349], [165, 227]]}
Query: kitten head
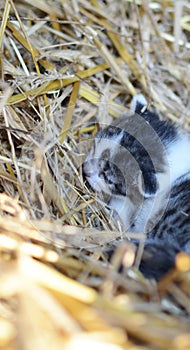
{"points": [[127, 158], [110, 167], [99, 167]]}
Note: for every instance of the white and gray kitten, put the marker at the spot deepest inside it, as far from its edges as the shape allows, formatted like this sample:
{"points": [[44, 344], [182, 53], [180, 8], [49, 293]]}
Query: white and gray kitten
{"points": [[143, 164]]}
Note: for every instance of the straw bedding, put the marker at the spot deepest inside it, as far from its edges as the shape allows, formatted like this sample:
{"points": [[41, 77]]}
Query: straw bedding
{"points": [[65, 66]]}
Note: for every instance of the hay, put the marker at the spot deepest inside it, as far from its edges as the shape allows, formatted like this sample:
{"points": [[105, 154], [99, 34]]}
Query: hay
{"points": [[64, 66]]}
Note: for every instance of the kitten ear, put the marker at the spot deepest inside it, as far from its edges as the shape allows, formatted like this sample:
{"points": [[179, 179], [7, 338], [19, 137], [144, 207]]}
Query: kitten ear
{"points": [[138, 101], [147, 184]]}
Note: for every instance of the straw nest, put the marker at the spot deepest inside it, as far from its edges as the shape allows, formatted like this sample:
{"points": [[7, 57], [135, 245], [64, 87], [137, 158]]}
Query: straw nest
{"points": [[66, 65]]}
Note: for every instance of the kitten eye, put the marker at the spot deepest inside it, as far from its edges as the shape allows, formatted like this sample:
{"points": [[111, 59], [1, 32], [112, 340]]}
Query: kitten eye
{"points": [[106, 166]]}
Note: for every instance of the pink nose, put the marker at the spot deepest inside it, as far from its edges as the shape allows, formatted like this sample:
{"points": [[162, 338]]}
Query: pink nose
{"points": [[90, 168]]}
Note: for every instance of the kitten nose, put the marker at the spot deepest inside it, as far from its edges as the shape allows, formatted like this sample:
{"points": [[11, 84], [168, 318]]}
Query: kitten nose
{"points": [[89, 168]]}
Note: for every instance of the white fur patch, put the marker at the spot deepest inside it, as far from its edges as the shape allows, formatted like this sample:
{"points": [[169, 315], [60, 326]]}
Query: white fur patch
{"points": [[179, 157], [125, 209]]}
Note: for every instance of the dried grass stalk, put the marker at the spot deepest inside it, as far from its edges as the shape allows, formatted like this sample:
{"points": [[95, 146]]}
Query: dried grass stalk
{"points": [[64, 66]]}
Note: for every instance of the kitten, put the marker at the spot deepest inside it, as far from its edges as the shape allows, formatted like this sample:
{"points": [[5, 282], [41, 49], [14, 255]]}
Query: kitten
{"points": [[143, 164]]}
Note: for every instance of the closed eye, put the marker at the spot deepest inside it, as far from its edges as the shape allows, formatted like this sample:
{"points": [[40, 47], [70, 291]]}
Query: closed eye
{"points": [[106, 166], [105, 169]]}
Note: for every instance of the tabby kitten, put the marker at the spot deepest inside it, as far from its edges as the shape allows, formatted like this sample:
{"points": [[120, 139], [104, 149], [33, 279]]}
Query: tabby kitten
{"points": [[143, 164]]}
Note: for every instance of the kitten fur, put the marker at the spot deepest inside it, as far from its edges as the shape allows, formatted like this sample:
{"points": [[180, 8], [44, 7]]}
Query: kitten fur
{"points": [[143, 164]]}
